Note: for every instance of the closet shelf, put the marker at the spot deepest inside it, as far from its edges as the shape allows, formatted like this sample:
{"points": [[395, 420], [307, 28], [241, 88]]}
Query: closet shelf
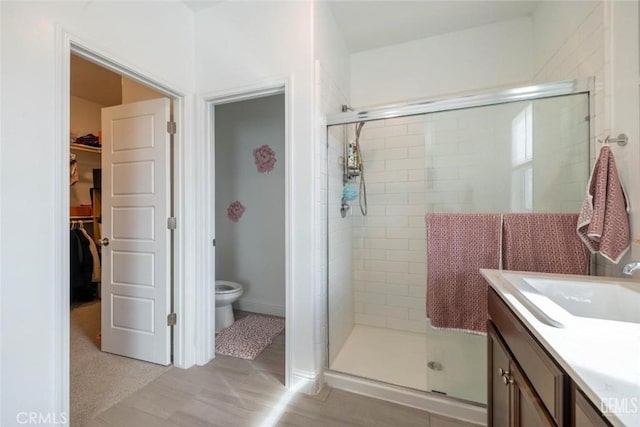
{"points": [[81, 218], [87, 148]]}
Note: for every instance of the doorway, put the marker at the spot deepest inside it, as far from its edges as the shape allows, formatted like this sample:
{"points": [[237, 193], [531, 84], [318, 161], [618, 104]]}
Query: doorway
{"points": [[248, 210], [121, 150]]}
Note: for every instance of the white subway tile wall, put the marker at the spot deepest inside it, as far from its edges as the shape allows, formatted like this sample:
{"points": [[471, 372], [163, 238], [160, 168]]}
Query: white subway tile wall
{"points": [[390, 242], [585, 54]]}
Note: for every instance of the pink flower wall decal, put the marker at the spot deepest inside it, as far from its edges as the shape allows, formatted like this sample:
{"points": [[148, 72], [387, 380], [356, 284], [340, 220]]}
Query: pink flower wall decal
{"points": [[235, 211], [265, 158]]}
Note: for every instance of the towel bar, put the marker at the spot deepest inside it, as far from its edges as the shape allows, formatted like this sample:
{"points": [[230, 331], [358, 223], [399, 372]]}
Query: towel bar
{"points": [[621, 140]]}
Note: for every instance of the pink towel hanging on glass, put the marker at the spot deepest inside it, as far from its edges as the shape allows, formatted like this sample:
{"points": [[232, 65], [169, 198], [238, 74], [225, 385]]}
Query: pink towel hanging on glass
{"points": [[543, 242], [458, 246]]}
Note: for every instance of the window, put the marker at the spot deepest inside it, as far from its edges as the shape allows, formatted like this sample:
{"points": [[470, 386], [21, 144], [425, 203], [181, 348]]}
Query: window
{"points": [[522, 161]]}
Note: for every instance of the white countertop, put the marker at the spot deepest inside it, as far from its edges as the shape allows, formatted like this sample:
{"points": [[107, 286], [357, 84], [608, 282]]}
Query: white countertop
{"points": [[601, 357]]}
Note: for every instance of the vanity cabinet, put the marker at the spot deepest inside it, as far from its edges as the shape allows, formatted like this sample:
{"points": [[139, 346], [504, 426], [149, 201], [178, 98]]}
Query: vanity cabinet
{"points": [[528, 383], [584, 414], [513, 399], [526, 386], [537, 382]]}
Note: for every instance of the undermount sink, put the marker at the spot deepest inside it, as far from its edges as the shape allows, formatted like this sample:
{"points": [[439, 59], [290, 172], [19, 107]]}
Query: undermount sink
{"points": [[559, 301]]}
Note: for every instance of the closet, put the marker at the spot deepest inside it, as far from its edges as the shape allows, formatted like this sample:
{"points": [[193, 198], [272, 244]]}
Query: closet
{"points": [[85, 232], [92, 89]]}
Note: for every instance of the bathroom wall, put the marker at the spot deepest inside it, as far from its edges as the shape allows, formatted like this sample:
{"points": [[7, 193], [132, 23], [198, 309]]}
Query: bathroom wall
{"points": [[471, 168], [599, 39], [572, 46], [242, 45], [468, 154], [340, 250], [251, 250], [464, 61], [337, 242], [389, 243], [30, 123], [333, 232], [561, 158], [554, 23]]}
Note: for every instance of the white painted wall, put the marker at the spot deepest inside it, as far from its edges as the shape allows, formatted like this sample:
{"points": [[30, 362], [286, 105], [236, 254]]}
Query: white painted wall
{"points": [[251, 251], [240, 45], [29, 363], [470, 60]]}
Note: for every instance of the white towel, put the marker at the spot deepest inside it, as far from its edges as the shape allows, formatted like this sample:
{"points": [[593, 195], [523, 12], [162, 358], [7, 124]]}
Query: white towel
{"points": [[603, 224]]}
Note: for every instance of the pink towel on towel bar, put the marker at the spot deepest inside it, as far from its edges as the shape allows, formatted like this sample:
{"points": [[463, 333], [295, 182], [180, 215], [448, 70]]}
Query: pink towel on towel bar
{"points": [[458, 246], [543, 242], [603, 224]]}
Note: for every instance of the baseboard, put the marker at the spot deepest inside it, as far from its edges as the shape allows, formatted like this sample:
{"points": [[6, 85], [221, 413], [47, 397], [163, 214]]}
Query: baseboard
{"points": [[425, 401], [305, 382], [259, 307]]}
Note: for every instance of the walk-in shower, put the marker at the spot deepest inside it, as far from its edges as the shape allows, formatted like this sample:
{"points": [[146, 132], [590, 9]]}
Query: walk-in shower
{"points": [[521, 150]]}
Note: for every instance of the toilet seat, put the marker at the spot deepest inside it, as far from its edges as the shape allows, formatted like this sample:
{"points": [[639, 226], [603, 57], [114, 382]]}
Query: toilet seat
{"points": [[225, 287]]}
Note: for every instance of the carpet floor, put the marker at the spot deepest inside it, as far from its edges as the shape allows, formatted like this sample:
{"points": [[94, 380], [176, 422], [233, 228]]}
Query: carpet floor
{"points": [[99, 380]]}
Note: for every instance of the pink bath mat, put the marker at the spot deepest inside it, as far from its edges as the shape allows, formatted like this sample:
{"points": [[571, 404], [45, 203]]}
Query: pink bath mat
{"points": [[247, 337]]}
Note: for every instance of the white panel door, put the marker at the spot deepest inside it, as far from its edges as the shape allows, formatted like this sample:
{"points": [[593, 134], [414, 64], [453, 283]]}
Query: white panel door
{"points": [[135, 206]]}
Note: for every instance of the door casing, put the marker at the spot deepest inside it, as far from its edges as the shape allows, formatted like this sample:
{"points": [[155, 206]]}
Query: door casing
{"points": [[185, 348], [206, 115]]}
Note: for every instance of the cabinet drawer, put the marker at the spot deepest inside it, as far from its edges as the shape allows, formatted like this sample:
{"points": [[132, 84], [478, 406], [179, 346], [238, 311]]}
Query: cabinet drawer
{"points": [[546, 378]]}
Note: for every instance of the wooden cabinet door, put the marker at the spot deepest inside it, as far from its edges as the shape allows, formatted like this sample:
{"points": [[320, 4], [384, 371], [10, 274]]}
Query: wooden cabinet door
{"points": [[498, 391], [584, 414], [526, 408]]}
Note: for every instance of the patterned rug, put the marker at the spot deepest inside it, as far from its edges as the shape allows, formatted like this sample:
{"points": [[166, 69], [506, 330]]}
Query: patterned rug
{"points": [[247, 337]]}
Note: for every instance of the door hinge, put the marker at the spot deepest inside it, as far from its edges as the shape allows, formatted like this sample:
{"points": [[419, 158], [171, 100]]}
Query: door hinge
{"points": [[171, 127], [172, 223], [213, 242], [172, 319]]}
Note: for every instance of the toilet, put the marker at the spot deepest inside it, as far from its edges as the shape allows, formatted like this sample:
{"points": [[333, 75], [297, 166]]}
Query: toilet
{"points": [[226, 294]]}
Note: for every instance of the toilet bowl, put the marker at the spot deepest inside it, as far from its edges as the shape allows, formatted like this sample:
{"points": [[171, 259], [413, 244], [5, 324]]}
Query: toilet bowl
{"points": [[226, 294]]}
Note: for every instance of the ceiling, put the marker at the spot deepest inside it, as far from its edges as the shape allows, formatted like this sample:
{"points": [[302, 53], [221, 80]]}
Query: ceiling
{"points": [[94, 83], [374, 24], [370, 24]]}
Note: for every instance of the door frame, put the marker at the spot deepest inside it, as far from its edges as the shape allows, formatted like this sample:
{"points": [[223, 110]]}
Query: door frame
{"points": [[206, 116], [184, 347]]}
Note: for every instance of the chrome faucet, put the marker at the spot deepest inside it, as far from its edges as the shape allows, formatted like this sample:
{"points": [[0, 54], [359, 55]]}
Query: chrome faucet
{"points": [[630, 268]]}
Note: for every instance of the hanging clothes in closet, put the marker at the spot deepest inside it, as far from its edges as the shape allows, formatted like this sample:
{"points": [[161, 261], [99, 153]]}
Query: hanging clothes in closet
{"points": [[82, 262]]}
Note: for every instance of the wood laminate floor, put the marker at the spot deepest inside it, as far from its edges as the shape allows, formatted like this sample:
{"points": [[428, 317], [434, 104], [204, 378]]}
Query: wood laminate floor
{"points": [[230, 392]]}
